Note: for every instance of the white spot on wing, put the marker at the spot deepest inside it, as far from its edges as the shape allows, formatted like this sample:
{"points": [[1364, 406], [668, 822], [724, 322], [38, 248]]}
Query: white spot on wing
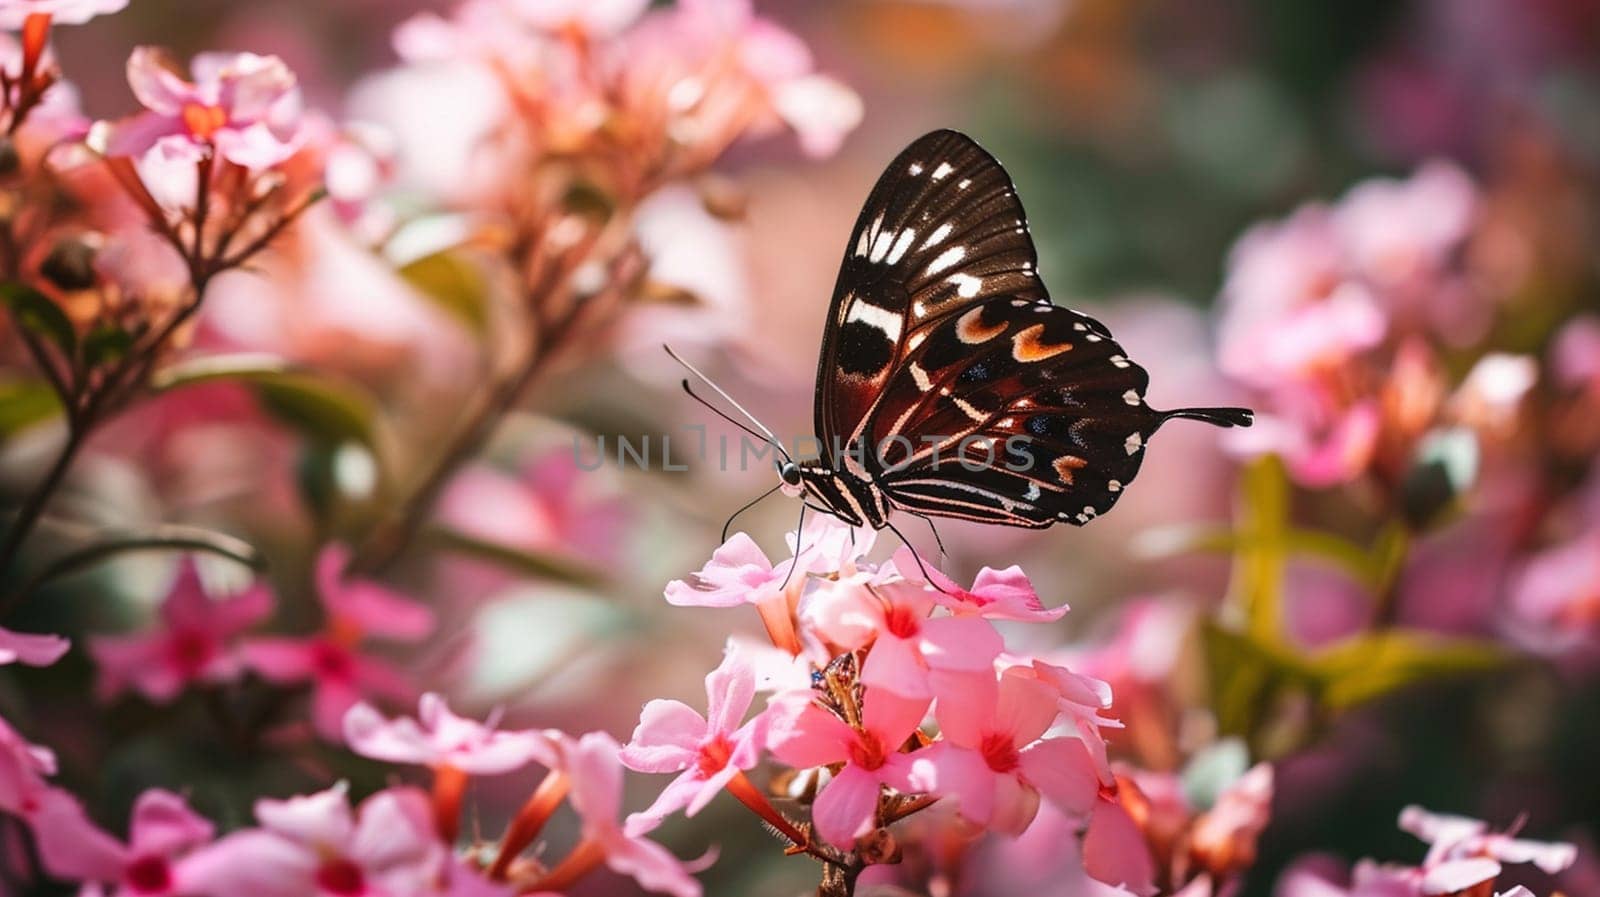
{"points": [[901, 245], [1033, 492], [862, 244], [1119, 361], [873, 316], [937, 237], [1113, 485], [946, 259], [1133, 443], [915, 169], [880, 246], [920, 376], [964, 184], [1131, 397], [968, 409], [967, 286], [943, 171]]}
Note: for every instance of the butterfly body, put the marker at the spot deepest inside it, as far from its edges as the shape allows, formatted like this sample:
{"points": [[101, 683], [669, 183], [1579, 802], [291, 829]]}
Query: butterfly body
{"points": [[949, 384]]}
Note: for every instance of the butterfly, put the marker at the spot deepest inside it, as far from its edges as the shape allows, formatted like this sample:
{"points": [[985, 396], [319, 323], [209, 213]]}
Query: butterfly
{"points": [[949, 384]]}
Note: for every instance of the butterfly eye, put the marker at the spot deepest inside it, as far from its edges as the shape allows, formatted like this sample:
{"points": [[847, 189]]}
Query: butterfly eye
{"points": [[789, 472]]}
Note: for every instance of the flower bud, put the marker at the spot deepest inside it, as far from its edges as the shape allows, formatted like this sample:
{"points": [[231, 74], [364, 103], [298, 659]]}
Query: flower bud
{"points": [[70, 265]]}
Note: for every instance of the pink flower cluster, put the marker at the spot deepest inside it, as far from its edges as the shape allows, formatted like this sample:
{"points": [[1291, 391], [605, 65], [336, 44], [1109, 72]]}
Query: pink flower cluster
{"points": [[890, 689], [1464, 857], [1338, 315]]}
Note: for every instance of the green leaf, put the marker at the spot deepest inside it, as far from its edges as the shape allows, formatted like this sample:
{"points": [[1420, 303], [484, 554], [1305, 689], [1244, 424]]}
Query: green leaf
{"points": [[24, 403], [326, 409], [1257, 586], [1247, 678], [455, 285], [38, 314], [105, 344], [540, 564], [1370, 666]]}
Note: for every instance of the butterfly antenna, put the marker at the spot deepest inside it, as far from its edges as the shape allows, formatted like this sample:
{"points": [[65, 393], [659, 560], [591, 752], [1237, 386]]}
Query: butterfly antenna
{"points": [[1219, 417], [727, 398], [748, 505], [916, 556], [935, 530], [720, 413], [799, 533]]}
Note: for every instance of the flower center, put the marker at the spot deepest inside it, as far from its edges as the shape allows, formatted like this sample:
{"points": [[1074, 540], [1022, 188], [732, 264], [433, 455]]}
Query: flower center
{"points": [[867, 752], [902, 622], [190, 651], [149, 875], [999, 752], [203, 121], [342, 877], [331, 661], [714, 755]]}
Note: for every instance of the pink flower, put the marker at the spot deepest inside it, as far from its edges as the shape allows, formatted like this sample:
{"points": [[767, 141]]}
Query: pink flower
{"points": [[913, 654], [738, 573], [440, 738], [314, 845], [69, 845], [995, 594], [340, 674], [1464, 852], [65, 12], [708, 751], [246, 107], [1115, 850], [592, 18], [805, 735], [1082, 699], [163, 833], [995, 761], [596, 774], [1223, 839], [543, 507], [34, 650], [194, 642], [1559, 588]]}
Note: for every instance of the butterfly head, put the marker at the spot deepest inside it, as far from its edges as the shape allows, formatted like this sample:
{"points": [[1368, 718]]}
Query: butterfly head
{"points": [[792, 483]]}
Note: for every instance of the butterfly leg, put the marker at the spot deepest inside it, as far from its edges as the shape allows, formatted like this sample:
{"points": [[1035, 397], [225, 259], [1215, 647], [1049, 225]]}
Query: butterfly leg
{"points": [[943, 555], [914, 556], [799, 533]]}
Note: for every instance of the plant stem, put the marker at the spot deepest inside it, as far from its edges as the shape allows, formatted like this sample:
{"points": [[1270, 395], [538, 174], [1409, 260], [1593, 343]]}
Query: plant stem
{"points": [[840, 880], [35, 503]]}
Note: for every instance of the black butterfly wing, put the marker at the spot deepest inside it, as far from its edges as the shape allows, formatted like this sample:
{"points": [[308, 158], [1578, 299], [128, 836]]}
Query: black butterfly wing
{"points": [[1013, 412], [941, 231]]}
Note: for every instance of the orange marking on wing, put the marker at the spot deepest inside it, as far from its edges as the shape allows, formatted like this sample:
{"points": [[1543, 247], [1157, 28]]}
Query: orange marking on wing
{"points": [[1065, 465], [970, 328], [1025, 346]]}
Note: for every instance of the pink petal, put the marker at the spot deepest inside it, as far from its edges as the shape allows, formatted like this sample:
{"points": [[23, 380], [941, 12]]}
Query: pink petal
{"points": [[135, 136], [242, 611], [395, 828], [137, 661], [1063, 771], [69, 845], [805, 735], [667, 738], [596, 773], [282, 660], [254, 862], [844, 810], [34, 650], [1459, 875], [331, 699], [400, 741], [710, 787], [321, 820], [965, 706], [255, 147], [156, 86], [729, 690], [895, 665], [163, 824], [649, 864], [893, 718], [1026, 707], [1114, 850], [966, 644], [1015, 805], [951, 771], [375, 609], [677, 795]]}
